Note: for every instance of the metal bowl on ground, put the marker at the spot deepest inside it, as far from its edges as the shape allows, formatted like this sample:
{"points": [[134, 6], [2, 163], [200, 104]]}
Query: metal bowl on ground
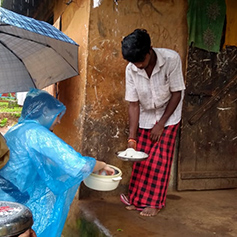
{"points": [[15, 219], [103, 182]]}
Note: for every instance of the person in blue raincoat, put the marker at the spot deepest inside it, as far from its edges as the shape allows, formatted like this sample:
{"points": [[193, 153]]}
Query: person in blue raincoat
{"points": [[43, 171]]}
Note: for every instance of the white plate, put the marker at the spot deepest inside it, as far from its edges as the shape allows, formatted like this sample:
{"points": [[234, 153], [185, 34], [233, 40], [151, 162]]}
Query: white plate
{"points": [[137, 156]]}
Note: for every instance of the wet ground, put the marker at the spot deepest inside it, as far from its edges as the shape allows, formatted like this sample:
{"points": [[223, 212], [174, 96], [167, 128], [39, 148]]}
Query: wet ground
{"points": [[187, 214]]}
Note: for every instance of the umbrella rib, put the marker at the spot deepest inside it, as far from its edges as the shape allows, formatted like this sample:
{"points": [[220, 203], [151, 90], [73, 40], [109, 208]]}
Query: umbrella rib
{"points": [[20, 60], [46, 45], [17, 36]]}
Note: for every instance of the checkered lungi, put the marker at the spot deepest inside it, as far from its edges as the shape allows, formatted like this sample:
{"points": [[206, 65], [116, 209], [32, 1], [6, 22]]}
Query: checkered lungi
{"points": [[150, 177]]}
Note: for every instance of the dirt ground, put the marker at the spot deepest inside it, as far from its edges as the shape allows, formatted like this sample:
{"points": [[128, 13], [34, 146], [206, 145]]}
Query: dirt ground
{"points": [[187, 214]]}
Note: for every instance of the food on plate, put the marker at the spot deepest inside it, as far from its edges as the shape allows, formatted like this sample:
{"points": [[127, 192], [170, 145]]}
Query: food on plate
{"points": [[131, 153]]}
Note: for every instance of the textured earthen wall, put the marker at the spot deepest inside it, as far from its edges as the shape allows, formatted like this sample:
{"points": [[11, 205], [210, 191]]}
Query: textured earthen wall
{"points": [[74, 23], [96, 122], [105, 127]]}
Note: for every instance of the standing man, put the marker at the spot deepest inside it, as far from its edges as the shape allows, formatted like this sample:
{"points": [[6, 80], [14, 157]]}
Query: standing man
{"points": [[155, 90]]}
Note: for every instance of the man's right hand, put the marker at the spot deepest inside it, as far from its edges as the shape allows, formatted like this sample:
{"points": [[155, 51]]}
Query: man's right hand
{"points": [[132, 144]]}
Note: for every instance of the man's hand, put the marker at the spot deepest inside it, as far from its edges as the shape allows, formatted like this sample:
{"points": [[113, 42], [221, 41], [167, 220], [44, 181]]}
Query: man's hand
{"points": [[132, 143], [156, 132], [169, 110], [28, 233]]}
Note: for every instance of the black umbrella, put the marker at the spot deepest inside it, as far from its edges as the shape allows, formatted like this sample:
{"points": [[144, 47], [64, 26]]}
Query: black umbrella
{"points": [[33, 54]]}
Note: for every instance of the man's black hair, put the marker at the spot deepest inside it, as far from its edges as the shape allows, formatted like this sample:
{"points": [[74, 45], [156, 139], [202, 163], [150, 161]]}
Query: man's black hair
{"points": [[136, 45]]}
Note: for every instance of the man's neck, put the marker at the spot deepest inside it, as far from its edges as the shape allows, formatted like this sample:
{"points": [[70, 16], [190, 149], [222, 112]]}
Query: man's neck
{"points": [[152, 63]]}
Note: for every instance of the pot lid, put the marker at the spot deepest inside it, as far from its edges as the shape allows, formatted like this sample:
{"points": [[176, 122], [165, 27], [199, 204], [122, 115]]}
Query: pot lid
{"points": [[14, 218]]}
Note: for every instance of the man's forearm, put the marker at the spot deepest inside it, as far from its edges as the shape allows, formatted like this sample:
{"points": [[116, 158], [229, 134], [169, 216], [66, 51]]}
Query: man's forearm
{"points": [[170, 108], [133, 111]]}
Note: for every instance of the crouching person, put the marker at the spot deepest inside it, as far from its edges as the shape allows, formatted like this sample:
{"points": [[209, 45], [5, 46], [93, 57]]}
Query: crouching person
{"points": [[43, 168]]}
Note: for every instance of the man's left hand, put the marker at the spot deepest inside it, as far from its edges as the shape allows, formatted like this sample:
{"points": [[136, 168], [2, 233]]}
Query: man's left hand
{"points": [[156, 132]]}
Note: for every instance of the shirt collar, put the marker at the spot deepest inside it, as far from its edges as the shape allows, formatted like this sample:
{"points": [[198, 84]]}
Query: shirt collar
{"points": [[160, 59]]}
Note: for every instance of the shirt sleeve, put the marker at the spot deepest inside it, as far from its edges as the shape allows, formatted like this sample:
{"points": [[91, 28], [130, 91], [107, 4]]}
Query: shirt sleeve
{"points": [[130, 90], [176, 75]]}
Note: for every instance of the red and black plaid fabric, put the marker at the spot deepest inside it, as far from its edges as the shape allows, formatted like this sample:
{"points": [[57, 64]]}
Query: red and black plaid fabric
{"points": [[149, 180]]}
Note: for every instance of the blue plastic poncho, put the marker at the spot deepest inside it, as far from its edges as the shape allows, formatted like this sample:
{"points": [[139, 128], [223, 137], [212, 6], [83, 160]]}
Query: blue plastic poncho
{"points": [[43, 172]]}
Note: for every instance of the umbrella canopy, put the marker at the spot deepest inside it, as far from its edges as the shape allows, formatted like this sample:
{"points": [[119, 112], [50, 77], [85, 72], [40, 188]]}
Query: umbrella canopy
{"points": [[33, 54]]}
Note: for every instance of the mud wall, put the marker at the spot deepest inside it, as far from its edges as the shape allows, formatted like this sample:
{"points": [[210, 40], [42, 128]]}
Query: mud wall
{"points": [[73, 19], [96, 121], [106, 121]]}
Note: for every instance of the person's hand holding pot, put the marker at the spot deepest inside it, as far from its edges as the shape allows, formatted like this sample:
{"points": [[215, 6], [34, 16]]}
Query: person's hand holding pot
{"points": [[102, 166], [108, 170]]}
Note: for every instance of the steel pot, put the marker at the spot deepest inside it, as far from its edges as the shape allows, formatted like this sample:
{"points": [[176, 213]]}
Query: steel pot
{"points": [[15, 219], [104, 182]]}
